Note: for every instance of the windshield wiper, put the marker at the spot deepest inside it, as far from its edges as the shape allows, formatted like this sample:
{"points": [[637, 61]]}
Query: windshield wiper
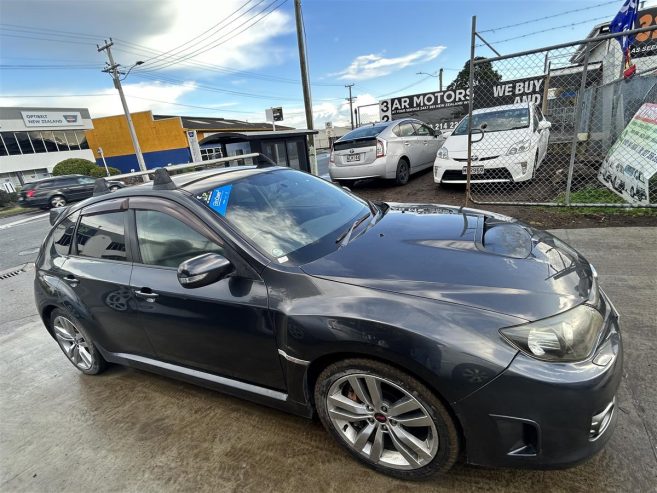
{"points": [[343, 239]]}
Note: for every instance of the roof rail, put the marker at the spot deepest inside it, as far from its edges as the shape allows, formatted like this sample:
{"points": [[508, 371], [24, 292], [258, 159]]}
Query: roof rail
{"points": [[162, 179]]}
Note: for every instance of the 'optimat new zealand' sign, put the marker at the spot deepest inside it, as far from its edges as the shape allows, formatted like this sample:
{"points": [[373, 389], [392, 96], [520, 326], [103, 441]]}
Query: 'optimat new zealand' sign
{"points": [[444, 109], [38, 118]]}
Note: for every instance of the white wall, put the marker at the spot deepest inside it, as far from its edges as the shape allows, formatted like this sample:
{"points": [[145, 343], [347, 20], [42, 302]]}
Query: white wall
{"points": [[48, 160]]}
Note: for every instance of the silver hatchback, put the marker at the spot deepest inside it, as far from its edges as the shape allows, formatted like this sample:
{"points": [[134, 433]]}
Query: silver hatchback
{"points": [[392, 150]]}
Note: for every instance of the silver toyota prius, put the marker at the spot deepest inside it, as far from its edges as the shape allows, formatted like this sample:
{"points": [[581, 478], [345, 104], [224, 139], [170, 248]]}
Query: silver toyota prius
{"points": [[393, 150]]}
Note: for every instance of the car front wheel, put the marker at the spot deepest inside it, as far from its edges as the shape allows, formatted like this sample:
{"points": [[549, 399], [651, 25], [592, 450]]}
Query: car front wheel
{"points": [[386, 419]]}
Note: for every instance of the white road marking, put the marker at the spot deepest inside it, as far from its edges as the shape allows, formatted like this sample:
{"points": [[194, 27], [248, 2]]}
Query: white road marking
{"points": [[26, 220]]}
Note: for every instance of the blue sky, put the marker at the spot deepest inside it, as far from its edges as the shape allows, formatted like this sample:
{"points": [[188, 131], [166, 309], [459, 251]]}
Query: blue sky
{"points": [[247, 59]]}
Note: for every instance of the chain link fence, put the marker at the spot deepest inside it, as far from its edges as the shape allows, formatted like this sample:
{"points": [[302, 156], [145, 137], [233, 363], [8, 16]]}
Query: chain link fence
{"points": [[559, 126]]}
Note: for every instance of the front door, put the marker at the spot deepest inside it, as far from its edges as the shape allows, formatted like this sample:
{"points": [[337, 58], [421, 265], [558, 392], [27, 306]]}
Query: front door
{"points": [[223, 328]]}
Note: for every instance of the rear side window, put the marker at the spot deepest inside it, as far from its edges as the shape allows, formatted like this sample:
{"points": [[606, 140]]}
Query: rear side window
{"points": [[166, 241], [102, 236], [62, 237]]}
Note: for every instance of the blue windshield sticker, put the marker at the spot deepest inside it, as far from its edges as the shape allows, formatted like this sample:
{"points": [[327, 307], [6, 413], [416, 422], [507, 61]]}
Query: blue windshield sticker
{"points": [[219, 199]]}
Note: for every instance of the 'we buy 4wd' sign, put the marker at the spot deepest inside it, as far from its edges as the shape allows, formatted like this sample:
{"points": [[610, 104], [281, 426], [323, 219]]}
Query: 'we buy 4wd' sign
{"points": [[444, 109]]}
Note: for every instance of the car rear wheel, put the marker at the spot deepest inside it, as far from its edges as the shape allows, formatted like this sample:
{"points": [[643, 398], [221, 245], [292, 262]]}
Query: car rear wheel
{"points": [[403, 172], [386, 419], [76, 344], [57, 201]]}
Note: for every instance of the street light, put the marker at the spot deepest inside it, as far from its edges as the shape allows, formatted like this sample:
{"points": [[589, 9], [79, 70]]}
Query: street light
{"points": [[136, 64]]}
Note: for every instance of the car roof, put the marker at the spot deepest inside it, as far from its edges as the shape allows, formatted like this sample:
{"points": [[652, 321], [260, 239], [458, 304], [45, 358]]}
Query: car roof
{"points": [[515, 106]]}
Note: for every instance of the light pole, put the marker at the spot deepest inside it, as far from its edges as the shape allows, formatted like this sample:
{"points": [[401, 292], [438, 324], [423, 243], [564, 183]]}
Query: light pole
{"points": [[112, 68]]}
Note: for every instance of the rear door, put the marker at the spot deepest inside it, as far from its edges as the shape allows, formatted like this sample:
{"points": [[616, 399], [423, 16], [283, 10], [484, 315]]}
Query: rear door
{"points": [[97, 276], [223, 328]]}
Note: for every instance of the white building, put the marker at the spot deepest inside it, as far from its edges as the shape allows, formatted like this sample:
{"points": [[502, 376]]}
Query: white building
{"points": [[34, 140]]}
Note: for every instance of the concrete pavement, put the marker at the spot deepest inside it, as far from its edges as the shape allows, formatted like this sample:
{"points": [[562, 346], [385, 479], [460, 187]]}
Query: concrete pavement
{"points": [[129, 430]]}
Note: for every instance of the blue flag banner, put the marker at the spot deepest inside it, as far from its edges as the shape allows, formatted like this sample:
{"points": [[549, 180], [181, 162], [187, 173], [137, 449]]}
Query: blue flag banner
{"points": [[624, 21]]}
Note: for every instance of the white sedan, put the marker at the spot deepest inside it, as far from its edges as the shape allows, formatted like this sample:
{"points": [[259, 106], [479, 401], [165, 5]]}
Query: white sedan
{"points": [[509, 144]]}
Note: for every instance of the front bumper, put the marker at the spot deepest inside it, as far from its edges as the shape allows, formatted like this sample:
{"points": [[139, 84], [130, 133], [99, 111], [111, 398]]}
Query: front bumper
{"points": [[502, 169], [377, 169], [545, 415]]}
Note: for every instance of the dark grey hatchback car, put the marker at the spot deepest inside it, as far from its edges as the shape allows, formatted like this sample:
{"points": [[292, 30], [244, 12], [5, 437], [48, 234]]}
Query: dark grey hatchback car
{"points": [[417, 333]]}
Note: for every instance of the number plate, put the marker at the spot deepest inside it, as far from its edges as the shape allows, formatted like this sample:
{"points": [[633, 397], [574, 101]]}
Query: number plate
{"points": [[353, 157], [474, 170]]}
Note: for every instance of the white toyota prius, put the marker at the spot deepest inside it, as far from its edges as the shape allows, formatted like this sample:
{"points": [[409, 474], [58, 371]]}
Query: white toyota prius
{"points": [[509, 144]]}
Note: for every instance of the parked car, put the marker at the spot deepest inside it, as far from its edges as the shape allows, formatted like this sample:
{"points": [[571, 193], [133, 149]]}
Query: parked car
{"points": [[393, 150], [637, 183], [60, 190], [417, 333], [509, 144]]}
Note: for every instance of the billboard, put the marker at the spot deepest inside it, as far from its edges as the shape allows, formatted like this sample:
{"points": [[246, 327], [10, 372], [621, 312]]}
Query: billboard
{"points": [[632, 161], [645, 44], [444, 109], [46, 118]]}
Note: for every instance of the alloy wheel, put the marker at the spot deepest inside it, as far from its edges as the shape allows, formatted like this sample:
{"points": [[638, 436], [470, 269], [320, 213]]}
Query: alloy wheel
{"points": [[73, 343], [382, 421], [58, 202]]}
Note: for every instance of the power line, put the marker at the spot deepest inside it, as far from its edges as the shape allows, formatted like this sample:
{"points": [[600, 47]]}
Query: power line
{"points": [[494, 41], [404, 88], [531, 21]]}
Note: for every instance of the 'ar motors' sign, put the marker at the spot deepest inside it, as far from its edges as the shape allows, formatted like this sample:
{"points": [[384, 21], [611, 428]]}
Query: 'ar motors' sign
{"points": [[37, 118], [444, 109]]}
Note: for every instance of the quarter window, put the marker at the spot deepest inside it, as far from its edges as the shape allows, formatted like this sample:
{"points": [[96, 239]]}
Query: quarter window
{"points": [[102, 236], [166, 241], [63, 235]]}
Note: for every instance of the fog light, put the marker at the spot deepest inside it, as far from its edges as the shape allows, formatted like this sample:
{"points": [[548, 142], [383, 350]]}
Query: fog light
{"points": [[600, 422], [523, 167]]}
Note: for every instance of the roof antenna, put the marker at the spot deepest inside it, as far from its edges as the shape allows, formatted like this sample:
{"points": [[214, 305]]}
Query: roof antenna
{"points": [[101, 188], [162, 180]]}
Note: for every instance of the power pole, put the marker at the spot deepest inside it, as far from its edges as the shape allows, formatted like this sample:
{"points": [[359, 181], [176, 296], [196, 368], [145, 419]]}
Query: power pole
{"points": [[440, 79], [303, 64], [113, 69], [351, 104]]}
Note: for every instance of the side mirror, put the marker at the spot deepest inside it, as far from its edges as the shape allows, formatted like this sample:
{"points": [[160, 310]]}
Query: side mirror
{"points": [[203, 270], [544, 125], [447, 133]]}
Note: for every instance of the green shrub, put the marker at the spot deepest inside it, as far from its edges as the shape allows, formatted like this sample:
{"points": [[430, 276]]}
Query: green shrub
{"points": [[74, 166], [7, 198], [99, 171]]}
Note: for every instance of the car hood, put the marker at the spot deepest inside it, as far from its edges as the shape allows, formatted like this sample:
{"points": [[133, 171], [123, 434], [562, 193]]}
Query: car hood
{"points": [[492, 145], [463, 256]]}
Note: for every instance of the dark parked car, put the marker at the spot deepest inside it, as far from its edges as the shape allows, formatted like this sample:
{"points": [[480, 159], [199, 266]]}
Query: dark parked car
{"points": [[60, 190], [418, 333]]}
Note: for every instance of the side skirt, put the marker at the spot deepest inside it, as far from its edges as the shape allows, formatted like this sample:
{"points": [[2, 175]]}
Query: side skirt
{"points": [[236, 388]]}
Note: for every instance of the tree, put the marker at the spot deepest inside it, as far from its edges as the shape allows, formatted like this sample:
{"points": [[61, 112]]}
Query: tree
{"points": [[74, 166], [484, 73]]}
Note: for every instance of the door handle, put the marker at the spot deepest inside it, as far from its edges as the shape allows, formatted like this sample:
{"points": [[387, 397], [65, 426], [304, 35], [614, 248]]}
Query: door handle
{"points": [[146, 294], [72, 280]]}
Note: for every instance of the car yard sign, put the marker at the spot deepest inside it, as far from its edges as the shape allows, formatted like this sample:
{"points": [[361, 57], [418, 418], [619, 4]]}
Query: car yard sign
{"points": [[632, 161], [39, 118], [444, 109]]}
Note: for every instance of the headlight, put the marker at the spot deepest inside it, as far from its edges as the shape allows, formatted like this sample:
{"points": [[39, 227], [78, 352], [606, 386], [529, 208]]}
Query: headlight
{"points": [[442, 153], [569, 336], [519, 147]]}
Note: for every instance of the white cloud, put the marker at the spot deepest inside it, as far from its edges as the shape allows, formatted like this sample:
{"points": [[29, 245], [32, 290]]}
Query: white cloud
{"points": [[336, 113], [369, 66]]}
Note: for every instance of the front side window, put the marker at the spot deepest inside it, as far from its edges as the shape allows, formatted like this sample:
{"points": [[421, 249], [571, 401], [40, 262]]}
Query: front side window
{"points": [[286, 212], [62, 237], [166, 241], [102, 236], [496, 121], [404, 130], [86, 180]]}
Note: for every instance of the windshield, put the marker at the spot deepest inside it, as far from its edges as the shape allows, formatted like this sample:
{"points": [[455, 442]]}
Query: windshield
{"points": [[496, 121], [287, 214], [365, 132]]}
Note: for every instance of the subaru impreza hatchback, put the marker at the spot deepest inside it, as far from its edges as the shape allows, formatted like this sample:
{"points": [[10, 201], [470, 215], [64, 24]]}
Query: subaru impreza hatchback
{"points": [[417, 333]]}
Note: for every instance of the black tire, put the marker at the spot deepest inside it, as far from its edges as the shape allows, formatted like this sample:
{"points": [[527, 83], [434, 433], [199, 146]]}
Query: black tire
{"points": [[403, 172], [57, 201], [448, 437], [98, 364]]}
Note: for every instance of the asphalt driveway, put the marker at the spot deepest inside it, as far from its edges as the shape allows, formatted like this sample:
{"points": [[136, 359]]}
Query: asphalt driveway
{"points": [[129, 430]]}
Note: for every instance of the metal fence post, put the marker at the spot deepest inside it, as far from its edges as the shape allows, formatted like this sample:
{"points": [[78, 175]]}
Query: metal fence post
{"points": [[578, 117], [470, 106]]}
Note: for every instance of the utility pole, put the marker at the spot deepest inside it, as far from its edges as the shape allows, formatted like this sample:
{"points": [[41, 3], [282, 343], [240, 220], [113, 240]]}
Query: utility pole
{"points": [[351, 104], [440, 79], [112, 68], [303, 64]]}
